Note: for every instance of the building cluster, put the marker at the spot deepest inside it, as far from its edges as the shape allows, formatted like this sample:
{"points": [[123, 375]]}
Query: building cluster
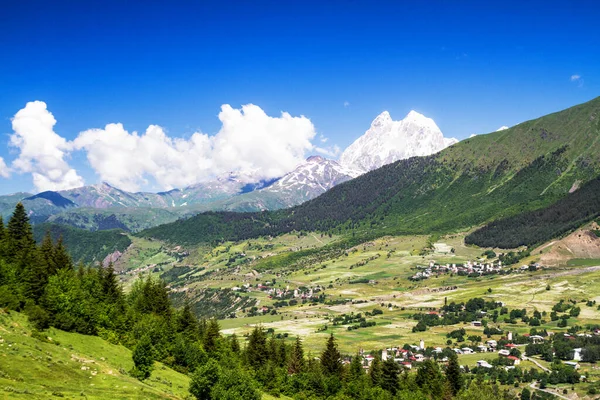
{"points": [[279, 293], [468, 268], [410, 355]]}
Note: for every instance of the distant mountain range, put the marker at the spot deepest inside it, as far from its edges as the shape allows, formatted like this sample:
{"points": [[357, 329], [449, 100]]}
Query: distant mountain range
{"points": [[102, 206], [485, 178]]}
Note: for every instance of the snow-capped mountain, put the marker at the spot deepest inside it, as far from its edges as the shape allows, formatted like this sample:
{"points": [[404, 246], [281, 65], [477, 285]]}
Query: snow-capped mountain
{"points": [[387, 141], [307, 181]]}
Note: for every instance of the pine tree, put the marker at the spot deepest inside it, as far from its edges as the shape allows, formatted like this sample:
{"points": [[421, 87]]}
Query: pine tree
{"points": [[2, 237], [389, 376], [331, 359], [212, 336], [296, 363], [375, 371], [19, 236], [234, 344], [62, 259], [282, 353], [356, 368], [110, 284], [454, 375], [256, 351], [47, 251], [187, 322]]}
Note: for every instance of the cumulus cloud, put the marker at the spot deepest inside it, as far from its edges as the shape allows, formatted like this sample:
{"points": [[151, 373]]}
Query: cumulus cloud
{"points": [[502, 128], [4, 169], [42, 152], [332, 152], [250, 144]]}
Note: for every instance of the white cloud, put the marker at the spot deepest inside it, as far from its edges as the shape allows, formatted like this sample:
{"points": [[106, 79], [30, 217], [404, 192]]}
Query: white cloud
{"points": [[502, 128], [577, 79], [472, 135], [346, 104], [250, 144], [330, 151], [41, 150], [4, 169]]}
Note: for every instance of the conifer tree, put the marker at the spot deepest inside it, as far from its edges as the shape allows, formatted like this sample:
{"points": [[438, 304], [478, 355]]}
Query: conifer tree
{"points": [[375, 371], [110, 284], [389, 376], [331, 359], [454, 375], [47, 252], [62, 259], [212, 336], [282, 353], [296, 363], [356, 368], [234, 344], [256, 351], [19, 236], [187, 322]]}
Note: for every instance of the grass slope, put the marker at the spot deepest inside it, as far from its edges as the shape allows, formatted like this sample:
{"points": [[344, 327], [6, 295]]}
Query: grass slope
{"points": [[74, 366], [500, 174]]}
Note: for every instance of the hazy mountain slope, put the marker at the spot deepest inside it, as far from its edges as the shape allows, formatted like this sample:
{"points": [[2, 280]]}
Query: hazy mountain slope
{"points": [[387, 141], [307, 181], [503, 173]]}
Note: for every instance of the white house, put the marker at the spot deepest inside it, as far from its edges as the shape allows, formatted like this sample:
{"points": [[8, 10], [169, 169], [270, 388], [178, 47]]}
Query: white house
{"points": [[467, 350], [483, 364], [505, 353], [482, 348], [577, 354], [492, 343]]}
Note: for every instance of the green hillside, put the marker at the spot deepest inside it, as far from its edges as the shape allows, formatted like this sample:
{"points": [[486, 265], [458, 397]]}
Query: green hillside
{"points": [[61, 364], [536, 227], [496, 175], [84, 245]]}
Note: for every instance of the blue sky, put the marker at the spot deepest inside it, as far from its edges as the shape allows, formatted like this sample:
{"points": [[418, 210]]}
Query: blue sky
{"points": [[470, 66]]}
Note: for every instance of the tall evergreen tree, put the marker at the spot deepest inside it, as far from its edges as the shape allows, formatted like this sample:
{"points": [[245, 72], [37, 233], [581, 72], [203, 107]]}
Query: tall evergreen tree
{"points": [[454, 375], [331, 359], [296, 363], [212, 336], [47, 252], [187, 323], [389, 376], [110, 284], [256, 351], [356, 368], [375, 371], [62, 259], [234, 344], [19, 236]]}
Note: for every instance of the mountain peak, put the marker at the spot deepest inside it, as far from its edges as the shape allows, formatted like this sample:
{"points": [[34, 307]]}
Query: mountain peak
{"points": [[387, 141], [315, 159], [382, 119]]}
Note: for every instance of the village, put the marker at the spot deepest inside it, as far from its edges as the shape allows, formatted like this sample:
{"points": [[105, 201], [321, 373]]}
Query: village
{"points": [[469, 268], [509, 354]]}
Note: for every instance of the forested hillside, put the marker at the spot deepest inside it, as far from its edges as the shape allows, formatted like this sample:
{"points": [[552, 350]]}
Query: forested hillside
{"points": [[497, 175], [83, 245], [535, 227]]}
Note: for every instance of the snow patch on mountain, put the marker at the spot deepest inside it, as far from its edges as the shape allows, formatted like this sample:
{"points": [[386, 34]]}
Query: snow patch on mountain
{"points": [[387, 141]]}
